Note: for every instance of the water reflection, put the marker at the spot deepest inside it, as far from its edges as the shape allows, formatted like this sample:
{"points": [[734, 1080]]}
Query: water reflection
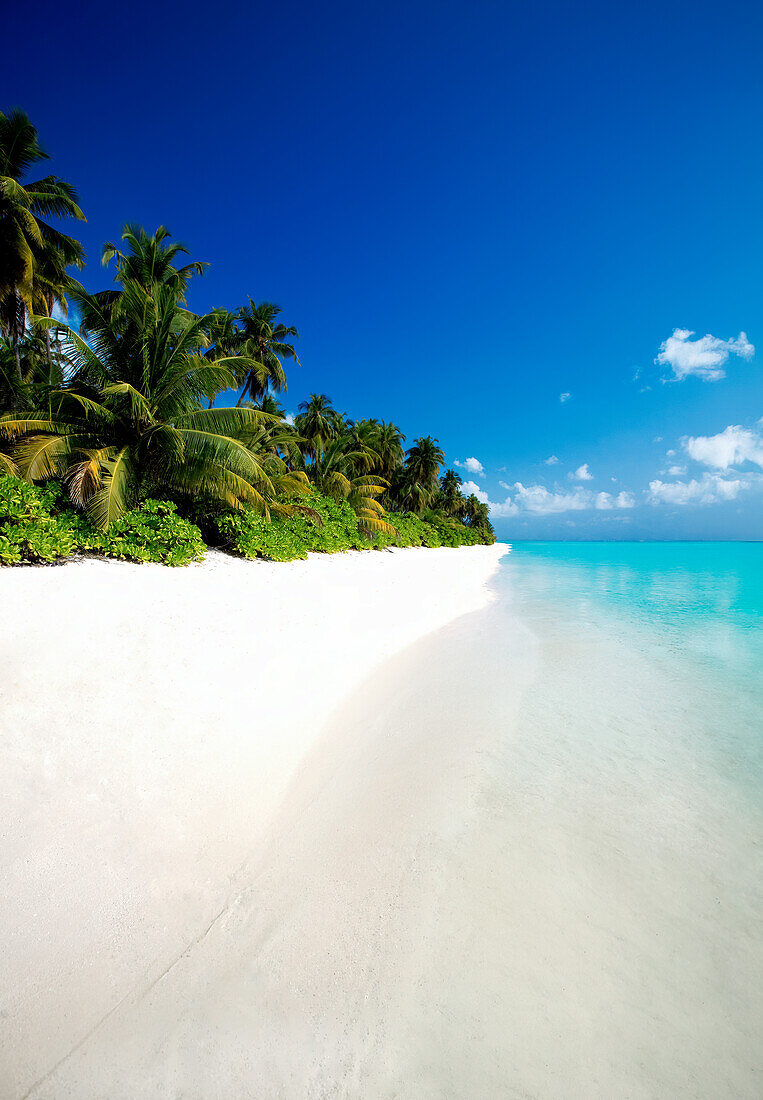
{"points": [[702, 598]]}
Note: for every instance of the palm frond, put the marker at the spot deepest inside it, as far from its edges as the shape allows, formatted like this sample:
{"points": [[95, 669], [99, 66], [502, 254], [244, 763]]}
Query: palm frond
{"points": [[112, 500], [139, 406], [83, 479], [7, 465], [41, 457], [13, 425]]}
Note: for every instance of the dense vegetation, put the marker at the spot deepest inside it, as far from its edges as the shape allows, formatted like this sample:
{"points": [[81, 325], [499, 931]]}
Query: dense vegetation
{"points": [[146, 431]]}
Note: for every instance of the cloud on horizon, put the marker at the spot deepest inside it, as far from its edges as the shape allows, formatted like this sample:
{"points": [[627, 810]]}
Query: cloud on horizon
{"points": [[704, 357], [708, 489], [540, 501]]}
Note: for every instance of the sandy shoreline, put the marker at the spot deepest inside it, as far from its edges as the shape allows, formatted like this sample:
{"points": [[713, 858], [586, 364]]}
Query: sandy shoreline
{"points": [[152, 720]]}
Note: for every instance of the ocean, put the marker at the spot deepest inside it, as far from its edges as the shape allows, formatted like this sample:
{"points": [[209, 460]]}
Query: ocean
{"points": [[693, 611]]}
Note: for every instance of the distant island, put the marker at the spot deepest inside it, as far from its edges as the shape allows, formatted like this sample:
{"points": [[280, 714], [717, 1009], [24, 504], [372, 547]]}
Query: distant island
{"points": [[111, 441]]}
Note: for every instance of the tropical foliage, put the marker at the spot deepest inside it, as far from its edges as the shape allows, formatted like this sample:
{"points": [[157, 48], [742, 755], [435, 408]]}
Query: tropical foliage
{"points": [[34, 254], [125, 415], [39, 525]]}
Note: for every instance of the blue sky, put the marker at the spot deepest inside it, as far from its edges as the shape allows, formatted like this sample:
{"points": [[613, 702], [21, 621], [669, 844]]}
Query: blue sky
{"points": [[468, 209]]}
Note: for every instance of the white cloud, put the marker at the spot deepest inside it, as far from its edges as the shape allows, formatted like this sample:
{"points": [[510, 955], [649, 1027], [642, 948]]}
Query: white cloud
{"points": [[470, 487], [472, 466], [564, 397], [289, 418], [731, 447], [551, 460], [582, 473], [657, 439], [709, 489], [538, 499], [541, 501], [704, 357], [605, 501], [676, 471], [501, 509]]}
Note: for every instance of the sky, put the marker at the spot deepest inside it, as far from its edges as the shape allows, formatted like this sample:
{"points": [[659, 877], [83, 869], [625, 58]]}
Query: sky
{"points": [[532, 230]]}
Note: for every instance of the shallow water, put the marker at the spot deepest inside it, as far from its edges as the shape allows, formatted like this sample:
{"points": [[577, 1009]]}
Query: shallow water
{"points": [[692, 610], [582, 917], [620, 812]]}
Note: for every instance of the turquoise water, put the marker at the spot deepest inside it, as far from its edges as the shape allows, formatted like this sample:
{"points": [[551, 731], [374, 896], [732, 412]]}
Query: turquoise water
{"points": [[679, 581], [684, 589], [693, 609]]}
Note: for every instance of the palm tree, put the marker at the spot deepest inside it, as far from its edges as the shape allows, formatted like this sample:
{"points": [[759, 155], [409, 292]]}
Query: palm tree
{"points": [[361, 437], [266, 341], [13, 390], [476, 515], [317, 422], [24, 236], [338, 471], [450, 488], [224, 336], [27, 375], [149, 260], [268, 404], [422, 470], [50, 288], [389, 446], [129, 420]]}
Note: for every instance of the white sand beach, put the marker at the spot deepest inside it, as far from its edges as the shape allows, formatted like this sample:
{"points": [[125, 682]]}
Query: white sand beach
{"points": [[161, 730]]}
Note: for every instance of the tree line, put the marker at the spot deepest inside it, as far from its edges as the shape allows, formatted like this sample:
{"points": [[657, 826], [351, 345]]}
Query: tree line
{"points": [[129, 403]]}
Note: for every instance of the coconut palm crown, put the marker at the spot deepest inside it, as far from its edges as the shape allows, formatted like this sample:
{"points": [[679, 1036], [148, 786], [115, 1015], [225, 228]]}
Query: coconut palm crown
{"points": [[421, 472], [129, 417], [26, 235], [266, 341]]}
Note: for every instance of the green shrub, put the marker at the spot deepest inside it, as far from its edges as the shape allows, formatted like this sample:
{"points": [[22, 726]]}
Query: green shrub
{"points": [[29, 531], [249, 534], [432, 529], [329, 526], [152, 532], [452, 531], [36, 525], [413, 530]]}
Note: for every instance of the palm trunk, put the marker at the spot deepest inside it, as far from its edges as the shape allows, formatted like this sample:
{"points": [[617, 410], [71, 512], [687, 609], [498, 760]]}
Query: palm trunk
{"points": [[17, 331], [48, 352]]}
